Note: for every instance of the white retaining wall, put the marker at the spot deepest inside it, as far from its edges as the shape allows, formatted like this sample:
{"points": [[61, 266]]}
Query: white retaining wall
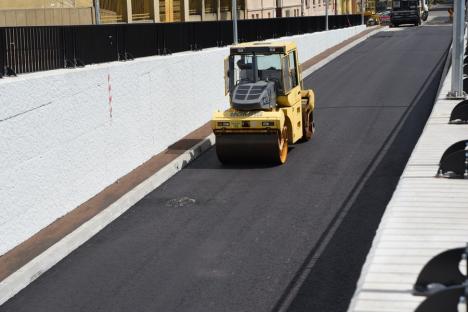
{"points": [[65, 135]]}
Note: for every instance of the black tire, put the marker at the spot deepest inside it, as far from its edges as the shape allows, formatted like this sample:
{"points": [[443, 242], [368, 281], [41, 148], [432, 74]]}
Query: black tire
{"points": [[283, 147], [425, 15], [308, 127]]}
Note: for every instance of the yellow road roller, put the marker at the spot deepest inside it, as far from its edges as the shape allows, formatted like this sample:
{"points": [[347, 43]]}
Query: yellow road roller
{"points": [[269, 108]]}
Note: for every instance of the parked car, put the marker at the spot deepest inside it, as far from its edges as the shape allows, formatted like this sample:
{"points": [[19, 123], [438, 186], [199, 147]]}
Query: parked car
{"points": [[385, 17]]}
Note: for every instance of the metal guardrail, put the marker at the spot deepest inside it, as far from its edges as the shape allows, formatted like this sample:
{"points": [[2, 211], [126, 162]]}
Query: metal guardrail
{"points": [[32, 49]]}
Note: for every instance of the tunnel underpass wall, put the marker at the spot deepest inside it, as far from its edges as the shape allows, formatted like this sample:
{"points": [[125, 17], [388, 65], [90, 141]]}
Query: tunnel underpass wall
{"points": [[65, 135]]}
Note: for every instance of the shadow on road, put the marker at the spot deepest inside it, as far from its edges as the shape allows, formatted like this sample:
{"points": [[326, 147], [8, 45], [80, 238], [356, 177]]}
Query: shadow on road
{"points": [[439, 20], [210, 161]]}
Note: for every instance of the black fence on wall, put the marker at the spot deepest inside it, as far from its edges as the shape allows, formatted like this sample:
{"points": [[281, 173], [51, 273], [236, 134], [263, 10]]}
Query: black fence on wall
{"points": [[31, 49]]}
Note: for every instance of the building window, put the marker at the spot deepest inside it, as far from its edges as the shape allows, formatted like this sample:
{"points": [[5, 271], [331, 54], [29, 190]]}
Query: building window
{"points": [[288, 13], [253, 16], [210, 6], [269, 14], [257, 15]]}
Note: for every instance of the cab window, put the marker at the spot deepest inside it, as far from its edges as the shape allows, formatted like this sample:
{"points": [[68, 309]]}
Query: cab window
{"points": [[292, 69]]}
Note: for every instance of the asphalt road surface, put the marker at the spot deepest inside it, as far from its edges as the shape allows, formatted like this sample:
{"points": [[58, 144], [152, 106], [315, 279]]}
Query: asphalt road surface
{"points": [[292, 237]]}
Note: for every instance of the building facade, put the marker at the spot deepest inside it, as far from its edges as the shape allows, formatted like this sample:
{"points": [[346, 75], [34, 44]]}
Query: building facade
{"points": [[213, 10], [260, 9], [66, 12], [44, 4], [46, 12]]}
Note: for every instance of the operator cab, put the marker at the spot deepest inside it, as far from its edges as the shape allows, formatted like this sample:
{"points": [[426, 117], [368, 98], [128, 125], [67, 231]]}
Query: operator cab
{"points": [[255, 76]]}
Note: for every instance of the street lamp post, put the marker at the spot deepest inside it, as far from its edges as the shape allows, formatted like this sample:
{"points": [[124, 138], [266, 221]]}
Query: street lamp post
{"points": [[326, 14], [234, 21], [97, 11], [362, 12], [457, 50]]}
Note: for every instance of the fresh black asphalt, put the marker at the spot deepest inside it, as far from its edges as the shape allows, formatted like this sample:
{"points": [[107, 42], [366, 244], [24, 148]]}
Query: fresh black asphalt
{"points": [[250, 238]]}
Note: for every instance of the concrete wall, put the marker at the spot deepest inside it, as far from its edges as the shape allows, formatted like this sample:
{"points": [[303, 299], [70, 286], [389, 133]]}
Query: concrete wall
{"points": [[65, 135]]}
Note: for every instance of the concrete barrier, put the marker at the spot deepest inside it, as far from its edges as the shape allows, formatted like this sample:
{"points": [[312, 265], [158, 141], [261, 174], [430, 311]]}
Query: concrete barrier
{"points": [[65, 135]]}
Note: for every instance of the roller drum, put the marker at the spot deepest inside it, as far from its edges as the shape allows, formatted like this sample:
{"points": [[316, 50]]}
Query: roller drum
{"points": [[268, 148]]}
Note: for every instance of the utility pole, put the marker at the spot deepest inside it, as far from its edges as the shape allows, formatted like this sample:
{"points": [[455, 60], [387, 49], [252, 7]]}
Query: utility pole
{"points": [[457, 50], [234, 21], [97, 11], [326, 14]]}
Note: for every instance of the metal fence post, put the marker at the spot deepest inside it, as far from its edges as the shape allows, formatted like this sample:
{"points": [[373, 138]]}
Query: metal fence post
{"points": [[234, 21], [97, 11], [3, 57], [457, 50], [362, 12], [326, 14]]}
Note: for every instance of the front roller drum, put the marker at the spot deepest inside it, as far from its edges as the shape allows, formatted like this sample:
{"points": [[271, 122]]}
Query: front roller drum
{"points": [[267, 148]]}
